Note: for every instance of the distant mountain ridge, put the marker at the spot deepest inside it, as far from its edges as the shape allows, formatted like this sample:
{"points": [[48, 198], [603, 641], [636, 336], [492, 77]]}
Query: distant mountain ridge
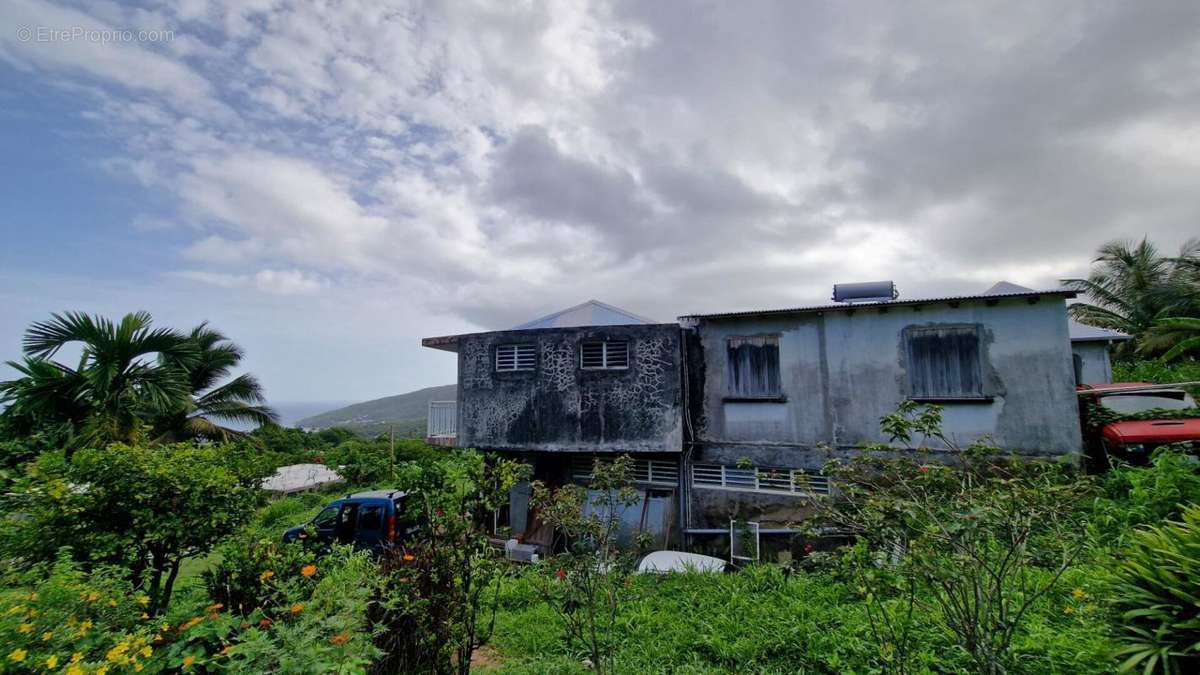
{"points": [[404, 413]]}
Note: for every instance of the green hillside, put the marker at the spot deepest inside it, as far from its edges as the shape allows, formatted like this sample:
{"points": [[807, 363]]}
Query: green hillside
{"points": [[403, 413]]}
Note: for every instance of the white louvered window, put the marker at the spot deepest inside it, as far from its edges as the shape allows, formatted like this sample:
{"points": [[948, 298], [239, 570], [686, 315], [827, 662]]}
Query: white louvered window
{"points": [[648, 471], [515, 357], [604, 355], [758, 479]]}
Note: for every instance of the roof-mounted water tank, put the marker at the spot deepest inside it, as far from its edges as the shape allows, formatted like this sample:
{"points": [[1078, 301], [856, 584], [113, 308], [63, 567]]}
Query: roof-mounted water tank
{"points": [[868, 291]]}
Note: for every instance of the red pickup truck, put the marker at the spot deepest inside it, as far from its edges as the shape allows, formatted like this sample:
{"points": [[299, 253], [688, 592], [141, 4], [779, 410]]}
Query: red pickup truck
{"points": [[1122, 421]]}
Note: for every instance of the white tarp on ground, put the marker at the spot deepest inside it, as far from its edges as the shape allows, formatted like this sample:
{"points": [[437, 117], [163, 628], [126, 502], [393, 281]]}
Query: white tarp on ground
{"points": [[300, 477], [680, 561]]}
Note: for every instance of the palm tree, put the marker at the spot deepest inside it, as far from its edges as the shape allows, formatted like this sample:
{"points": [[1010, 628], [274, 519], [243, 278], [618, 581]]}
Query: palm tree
{"points": [[1133, 286], [1186, 333], [239, 400], [125, 370]]}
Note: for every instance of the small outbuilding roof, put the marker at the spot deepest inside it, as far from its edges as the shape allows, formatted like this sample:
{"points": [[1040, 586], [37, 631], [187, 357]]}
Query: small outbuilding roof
{"points": [[590, 313], [1084, 333]]}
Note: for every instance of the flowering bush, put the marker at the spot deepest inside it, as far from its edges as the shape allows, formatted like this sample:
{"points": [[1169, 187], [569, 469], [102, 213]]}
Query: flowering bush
{"points": [[310, 617], [74, 622]]}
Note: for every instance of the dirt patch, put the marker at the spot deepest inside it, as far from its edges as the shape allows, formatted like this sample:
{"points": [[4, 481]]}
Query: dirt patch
{"points": [[486, 658]]}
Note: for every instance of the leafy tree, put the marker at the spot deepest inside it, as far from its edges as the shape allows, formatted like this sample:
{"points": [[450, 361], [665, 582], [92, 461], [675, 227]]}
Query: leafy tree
{"points": [[432, 611], [126, 370], [147, 508], [586, 583], [238, 400], [1132, 286], [966, 536]]}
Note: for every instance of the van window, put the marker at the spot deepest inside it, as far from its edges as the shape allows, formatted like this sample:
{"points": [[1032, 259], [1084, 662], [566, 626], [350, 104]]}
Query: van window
{"points": [[370, 518], [326, 518]]}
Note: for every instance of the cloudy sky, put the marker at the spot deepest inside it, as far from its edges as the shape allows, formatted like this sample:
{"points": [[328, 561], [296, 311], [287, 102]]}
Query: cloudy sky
{"points": [[328, 182]]}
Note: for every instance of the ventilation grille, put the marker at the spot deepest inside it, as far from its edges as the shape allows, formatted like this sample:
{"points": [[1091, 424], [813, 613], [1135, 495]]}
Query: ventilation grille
{"points": [[606, 355], [515, 357]]}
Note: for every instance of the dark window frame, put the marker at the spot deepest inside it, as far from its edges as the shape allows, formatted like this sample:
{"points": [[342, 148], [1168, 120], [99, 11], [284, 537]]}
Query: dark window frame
{"points": [[744, 354], [945, 363]]}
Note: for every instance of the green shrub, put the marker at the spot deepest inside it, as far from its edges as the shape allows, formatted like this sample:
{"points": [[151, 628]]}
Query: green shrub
{"points": [[1158, 586], [1132, 496], [146, 508]]}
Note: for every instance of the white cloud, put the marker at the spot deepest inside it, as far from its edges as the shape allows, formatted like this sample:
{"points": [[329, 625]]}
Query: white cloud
{"points": [[276, 282], [494, 160]]}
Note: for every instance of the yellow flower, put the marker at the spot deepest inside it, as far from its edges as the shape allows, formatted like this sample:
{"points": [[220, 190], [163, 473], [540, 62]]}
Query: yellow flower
{"points": [[47, 635], [17, 655], [74, 670], [165, 627], [1068, 610], [76, 657], [52, 662], [143, 600], [1078, 594], [102, 670], [92, 596], [188, 660], [266, 575], [147, 650], [308, 570], [137, 667], [25, 628], [115, 652], [112, 603]]}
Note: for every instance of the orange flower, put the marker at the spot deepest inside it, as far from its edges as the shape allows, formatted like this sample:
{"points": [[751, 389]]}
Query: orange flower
{"points": [[308, 571], [340, 639], [266, 575], [408, 557], [188, 660], [213, 608], [297, 608], [265, 623]]}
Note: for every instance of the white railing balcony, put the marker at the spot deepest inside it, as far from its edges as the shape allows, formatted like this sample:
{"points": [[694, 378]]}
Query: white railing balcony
{"points": [[441, 427]]}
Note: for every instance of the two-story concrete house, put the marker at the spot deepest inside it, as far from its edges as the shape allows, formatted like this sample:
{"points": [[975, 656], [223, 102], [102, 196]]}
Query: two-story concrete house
{"points": [[557, 391], [731, 416]]}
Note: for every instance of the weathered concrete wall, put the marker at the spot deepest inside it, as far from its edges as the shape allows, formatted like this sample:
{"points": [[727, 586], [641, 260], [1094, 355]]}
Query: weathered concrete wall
{"points": [[1095, 366], [842, 370], [558, 407]]}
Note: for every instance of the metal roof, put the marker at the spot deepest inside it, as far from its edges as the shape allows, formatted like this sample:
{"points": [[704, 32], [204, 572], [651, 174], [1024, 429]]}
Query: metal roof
{"points": [[844, 307], [590, 313], [1084, 333]]}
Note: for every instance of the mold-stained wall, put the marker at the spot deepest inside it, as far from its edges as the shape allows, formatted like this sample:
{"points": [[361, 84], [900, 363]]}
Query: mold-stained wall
{"points": [[842, 370], [558, 406], [1092, 362]]}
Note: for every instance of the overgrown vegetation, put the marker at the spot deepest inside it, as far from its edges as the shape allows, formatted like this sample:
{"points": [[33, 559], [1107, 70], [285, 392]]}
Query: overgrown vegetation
{"points": [[126, 551]]}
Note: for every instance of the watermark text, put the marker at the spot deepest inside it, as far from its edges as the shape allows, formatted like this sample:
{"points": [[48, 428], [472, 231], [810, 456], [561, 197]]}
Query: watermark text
{"points": [[98, 35]]}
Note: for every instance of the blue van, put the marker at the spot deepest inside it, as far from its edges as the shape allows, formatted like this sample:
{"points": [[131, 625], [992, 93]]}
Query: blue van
{"points": [[372, 521]]}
